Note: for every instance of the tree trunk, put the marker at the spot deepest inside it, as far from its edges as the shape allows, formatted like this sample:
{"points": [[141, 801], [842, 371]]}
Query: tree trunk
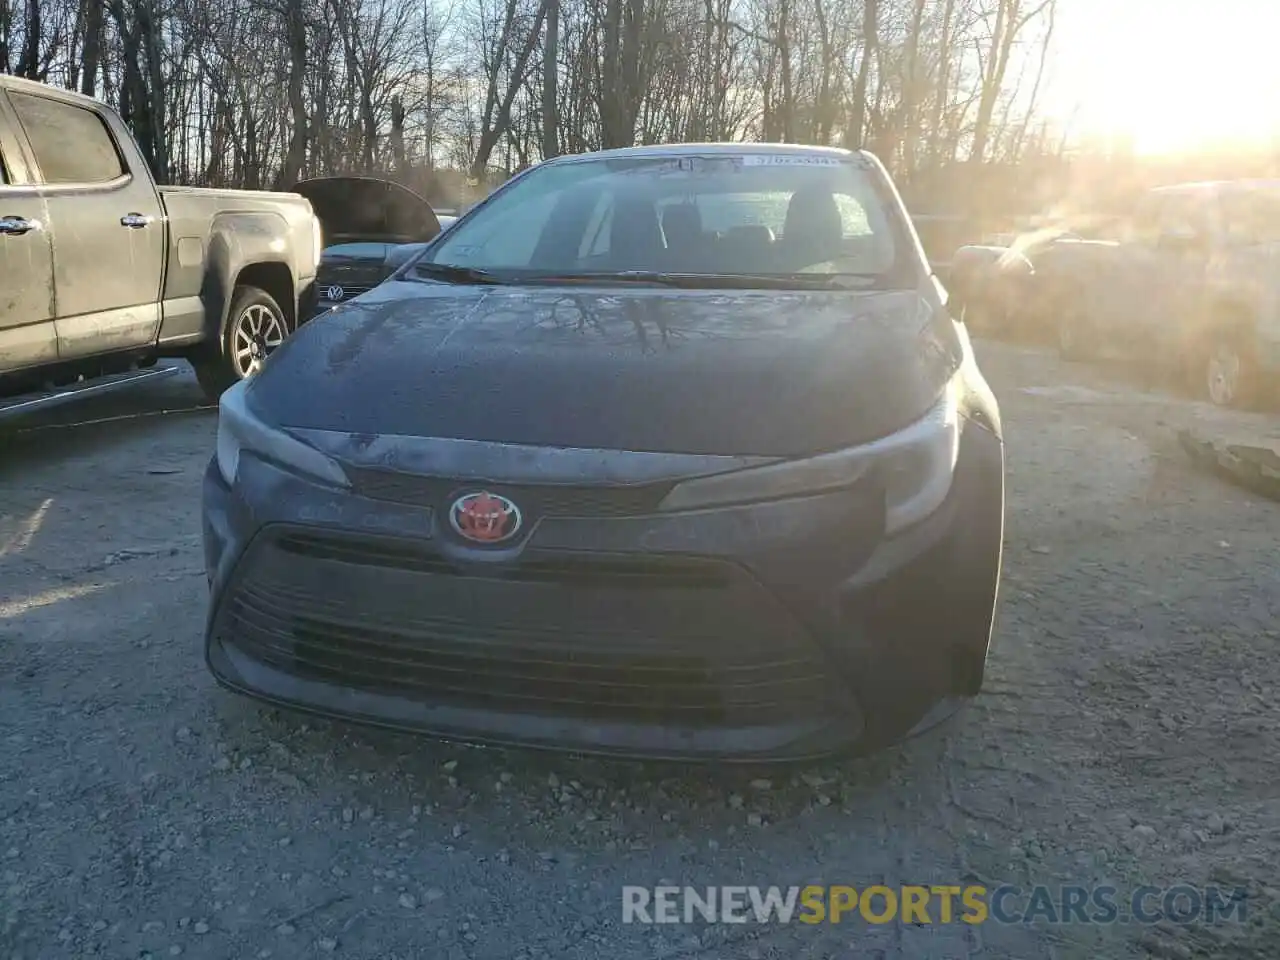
{"points": [[855, 129], [495, 130], [610, 82], [942, 95], [399, 161], [911, 93], [1009, 23], [823, 120], [149, 31], [296, 38], [550, 76], [621, 71], [1020, 138], [29, 62], [633, 50], [787, 90], [91, 55]]}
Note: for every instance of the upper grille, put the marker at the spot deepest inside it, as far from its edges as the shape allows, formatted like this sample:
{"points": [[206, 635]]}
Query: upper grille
{"points": [[534, 500], [349, 290], [631, 572], [354, 278]]}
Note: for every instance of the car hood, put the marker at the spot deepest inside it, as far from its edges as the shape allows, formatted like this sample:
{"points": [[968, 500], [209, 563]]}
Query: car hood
{"points": [[367, 208], [740, 373]]}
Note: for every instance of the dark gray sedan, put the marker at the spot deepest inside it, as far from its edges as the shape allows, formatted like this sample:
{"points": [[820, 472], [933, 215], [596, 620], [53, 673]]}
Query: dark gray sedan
{"points": [[666, 451]]}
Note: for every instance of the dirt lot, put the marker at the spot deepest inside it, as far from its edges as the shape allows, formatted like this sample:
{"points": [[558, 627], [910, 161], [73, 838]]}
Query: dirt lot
{"points": [[1127, 735]]}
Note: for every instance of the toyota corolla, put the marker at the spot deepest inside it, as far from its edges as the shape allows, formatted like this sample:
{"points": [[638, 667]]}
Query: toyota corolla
{"points": [[666, 451]]}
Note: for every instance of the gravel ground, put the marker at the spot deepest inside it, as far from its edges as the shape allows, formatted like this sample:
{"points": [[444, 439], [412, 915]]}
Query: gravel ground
{"points": [[1127, 735]]}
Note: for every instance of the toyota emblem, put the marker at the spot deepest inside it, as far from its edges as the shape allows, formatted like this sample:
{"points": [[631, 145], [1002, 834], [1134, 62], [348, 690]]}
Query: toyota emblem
{"points": [[335, 293], [484, 517]]}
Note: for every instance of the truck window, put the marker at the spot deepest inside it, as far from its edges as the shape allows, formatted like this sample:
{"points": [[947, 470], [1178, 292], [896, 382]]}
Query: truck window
{"points": [[1162, 213], [71, 144]]}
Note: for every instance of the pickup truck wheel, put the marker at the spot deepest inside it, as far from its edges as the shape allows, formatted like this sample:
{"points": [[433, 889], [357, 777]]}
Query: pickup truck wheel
{"points": [[1230, 375], [254, 328]]}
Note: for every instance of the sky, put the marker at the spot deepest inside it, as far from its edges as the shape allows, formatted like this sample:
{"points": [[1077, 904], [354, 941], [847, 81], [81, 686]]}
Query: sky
{"points": [[1171, 74]]}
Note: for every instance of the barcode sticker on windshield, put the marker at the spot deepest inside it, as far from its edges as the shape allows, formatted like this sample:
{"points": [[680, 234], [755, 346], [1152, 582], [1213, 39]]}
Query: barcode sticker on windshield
{"points": [[789, 160], [676, 165]]}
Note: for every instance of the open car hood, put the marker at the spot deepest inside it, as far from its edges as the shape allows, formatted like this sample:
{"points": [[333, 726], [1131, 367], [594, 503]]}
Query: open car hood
{"points": [[369, 209]]}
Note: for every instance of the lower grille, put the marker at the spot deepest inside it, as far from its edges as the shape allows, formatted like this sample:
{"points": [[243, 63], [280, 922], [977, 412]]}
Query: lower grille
{"points": [[547, 644]]}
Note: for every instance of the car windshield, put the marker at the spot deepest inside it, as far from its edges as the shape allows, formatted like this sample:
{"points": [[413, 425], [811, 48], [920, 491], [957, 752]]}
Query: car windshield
{"points": [[768, 216]]}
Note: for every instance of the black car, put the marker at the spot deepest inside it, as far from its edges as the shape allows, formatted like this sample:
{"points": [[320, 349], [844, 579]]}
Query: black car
{"points": [[371, 227], [664, 451]]}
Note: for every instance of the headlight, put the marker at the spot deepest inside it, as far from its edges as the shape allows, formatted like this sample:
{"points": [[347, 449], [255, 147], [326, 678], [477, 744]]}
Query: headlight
{"points": [[240, 430], [915, 464], [317, 240]]}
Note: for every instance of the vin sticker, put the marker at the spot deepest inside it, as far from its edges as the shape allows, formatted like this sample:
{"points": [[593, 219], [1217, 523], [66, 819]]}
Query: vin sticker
{"points": [[789, 160]]}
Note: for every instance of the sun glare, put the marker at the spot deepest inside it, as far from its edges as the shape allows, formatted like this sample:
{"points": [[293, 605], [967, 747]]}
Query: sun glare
{"points": [[1171, 76]]}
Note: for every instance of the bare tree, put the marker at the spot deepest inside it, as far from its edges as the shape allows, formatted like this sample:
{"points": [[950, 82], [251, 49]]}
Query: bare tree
{"points": [[550, 76], [264, 92]]}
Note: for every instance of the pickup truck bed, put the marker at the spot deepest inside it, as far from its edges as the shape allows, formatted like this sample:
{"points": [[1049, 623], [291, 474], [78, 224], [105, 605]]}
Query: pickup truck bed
{"points": [[101, 271]]}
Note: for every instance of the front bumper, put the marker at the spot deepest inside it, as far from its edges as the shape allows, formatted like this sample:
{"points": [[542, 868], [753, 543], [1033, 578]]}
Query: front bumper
{"points": [[780, 631]]}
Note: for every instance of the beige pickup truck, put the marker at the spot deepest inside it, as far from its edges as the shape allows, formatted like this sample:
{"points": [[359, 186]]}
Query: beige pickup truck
{"points": [[102, 272]]}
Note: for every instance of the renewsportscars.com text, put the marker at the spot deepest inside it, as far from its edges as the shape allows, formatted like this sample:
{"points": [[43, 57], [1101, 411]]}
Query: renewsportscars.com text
{"points": [[932, 904]]}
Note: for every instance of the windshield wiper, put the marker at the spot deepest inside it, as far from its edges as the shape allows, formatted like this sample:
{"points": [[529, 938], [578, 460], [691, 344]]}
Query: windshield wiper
{"points": [[451, 273], [615, 276], [704, 281], [848, 281]]}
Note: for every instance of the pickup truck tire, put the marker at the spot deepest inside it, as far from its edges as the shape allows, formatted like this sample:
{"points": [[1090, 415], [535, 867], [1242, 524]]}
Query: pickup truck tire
{"points": [[254, 327], [1227, 372]]}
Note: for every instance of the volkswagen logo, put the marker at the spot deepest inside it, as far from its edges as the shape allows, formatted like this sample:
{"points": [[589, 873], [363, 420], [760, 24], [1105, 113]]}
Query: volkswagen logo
{"points": [[335, 293], [484, 517]]}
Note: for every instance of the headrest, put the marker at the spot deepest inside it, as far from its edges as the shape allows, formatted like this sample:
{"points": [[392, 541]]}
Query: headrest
{"points": [[682, 218], [812, 213]]}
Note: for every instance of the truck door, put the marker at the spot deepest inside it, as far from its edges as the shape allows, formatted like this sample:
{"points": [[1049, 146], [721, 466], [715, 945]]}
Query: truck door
{"points": [[27, 335], [109, 229], [1180, 257], [1158, 274]]}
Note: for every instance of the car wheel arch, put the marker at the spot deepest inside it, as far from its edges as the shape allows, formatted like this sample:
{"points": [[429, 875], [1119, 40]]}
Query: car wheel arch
{"points": [[274, 277], [236, 256]]}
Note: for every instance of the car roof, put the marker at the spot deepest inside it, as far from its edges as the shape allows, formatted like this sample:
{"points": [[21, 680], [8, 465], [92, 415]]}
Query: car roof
{"points": [[715, 149], [23, 85]]}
